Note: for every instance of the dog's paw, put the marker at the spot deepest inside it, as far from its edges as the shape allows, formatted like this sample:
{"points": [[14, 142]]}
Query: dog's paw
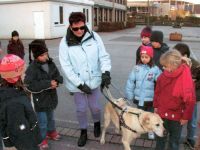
{"points": [[102, 141]]}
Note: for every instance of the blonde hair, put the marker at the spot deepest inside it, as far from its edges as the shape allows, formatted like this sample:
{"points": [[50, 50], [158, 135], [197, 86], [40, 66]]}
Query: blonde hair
{"points": [[172, 57]]}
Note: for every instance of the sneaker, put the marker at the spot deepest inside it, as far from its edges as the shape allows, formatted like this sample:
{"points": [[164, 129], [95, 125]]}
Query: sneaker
{"points": [[44, 145], [190, 143], [53, 136], [151, 136]]}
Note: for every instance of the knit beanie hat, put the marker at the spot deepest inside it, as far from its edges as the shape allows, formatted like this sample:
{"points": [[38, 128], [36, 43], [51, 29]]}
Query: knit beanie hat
{"points": [[14, 33], [37, 47], [157, 36], [146, 32], [11, 68], [146, 50]]}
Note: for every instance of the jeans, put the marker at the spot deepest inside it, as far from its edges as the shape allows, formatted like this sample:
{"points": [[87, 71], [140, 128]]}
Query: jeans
{"points": [[82, 101], [173, 129], [192, 125], [46, 122]]}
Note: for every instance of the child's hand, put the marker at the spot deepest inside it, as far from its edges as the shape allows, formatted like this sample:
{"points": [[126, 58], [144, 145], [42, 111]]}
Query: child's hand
{"points": [[54, 84], [183, 122], [187, 61]]}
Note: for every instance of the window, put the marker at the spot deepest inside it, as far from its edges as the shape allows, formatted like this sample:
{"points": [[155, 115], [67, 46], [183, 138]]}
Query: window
{"points": [[110, 15], [95, 16], [87, 15], [105, 15], [86, 12], [61, 14], [100, 15]]}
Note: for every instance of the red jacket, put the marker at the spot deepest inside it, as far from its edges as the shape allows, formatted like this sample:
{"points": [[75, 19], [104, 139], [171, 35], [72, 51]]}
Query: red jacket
{"points": [[175, 95]]}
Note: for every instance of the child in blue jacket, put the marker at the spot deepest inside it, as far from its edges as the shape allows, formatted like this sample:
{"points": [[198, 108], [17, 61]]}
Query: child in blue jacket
{"points": [[141, 81]]}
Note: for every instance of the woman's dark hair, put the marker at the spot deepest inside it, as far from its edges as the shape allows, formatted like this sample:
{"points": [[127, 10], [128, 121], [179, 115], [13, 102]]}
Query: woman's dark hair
{"points": [[76, 17], [183, 49]]}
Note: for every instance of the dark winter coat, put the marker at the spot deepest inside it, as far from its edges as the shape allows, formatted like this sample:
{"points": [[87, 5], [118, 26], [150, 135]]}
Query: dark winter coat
{"points": [[18, 123], [195, 69], [16, 48], [37, 80], [158, 52]]}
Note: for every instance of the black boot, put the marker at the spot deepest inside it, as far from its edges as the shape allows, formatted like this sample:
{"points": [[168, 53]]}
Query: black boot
{"points": [[83, 138], [97, 129]]}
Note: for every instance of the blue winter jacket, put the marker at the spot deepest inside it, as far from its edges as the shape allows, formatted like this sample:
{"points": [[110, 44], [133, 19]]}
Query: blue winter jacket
{"points": [[83, 62], [140, 84]]}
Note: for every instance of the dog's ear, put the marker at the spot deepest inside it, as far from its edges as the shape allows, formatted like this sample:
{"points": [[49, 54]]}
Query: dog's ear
{"points": [[146, 120]]}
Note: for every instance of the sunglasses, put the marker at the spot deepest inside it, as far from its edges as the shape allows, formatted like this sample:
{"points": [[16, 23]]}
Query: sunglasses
{"points": [[78, 28]]}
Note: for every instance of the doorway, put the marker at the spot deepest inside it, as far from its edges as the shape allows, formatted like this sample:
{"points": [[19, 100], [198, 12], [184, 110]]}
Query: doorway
{"points": [[38, 24]]}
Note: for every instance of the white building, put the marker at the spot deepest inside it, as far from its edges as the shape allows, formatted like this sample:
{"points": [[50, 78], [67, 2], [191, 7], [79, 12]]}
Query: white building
{"points": [[42, 19]]}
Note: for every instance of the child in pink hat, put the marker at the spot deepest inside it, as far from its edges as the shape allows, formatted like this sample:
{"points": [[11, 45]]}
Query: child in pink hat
{"points": [[141, 81], [19, 125]]}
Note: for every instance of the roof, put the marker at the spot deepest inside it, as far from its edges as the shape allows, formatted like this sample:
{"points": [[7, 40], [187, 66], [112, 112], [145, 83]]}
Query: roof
{"points": [[85, 2]]}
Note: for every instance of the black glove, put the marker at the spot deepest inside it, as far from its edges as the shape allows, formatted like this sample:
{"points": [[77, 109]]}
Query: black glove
{"points": [[8, 143], [106, 79], [86, 89]]}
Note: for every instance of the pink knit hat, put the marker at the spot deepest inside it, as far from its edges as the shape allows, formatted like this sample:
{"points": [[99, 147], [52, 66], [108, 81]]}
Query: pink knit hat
{"points": [[11, 68], [146, 50]]}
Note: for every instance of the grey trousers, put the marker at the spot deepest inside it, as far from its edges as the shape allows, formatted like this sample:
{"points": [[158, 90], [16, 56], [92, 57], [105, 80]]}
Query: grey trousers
{"points": [[82, 102]]}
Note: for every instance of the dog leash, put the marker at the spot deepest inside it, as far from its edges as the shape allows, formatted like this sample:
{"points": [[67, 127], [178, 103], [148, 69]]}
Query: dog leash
{"points": [[110, 100], [121, 119], [36, 92], [118, 107], [120, 92]]}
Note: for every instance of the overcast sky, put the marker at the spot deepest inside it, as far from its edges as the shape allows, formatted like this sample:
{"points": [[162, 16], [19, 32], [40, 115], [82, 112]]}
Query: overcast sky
{"points": [[193, 1]]}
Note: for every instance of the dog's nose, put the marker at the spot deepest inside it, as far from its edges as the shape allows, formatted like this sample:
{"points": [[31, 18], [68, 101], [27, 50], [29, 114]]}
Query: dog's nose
{"points": [[165, 133]]}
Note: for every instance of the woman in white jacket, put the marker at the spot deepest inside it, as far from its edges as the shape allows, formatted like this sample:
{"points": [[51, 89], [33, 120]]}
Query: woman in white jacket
{"points": [[86, 65]]}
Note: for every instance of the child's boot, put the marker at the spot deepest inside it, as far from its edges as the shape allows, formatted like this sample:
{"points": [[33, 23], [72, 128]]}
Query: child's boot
{"points": [[53, 135], [44, 145]]}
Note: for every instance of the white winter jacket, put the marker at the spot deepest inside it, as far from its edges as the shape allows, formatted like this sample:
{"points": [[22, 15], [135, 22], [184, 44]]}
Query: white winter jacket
{"points": [[84, 62]]}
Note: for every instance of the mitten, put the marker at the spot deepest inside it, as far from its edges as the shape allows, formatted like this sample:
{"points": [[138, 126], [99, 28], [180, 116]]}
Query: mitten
{"points": [[85, 88], [106, 79]]}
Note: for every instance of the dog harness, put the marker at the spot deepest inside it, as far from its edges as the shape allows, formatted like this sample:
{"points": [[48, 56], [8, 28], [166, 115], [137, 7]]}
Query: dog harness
{"points": [[122, 122]]}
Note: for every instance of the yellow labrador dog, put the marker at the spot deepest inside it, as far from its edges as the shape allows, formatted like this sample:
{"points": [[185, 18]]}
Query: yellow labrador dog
{"points": [[136, 121]]}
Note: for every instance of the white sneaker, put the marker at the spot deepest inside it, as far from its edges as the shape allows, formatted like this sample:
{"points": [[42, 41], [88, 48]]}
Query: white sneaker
{"points": [[151, 136]]}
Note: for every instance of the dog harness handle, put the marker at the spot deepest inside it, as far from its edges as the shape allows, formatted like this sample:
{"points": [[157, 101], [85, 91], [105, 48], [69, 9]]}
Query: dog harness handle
{"points": [[123, 124]]}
